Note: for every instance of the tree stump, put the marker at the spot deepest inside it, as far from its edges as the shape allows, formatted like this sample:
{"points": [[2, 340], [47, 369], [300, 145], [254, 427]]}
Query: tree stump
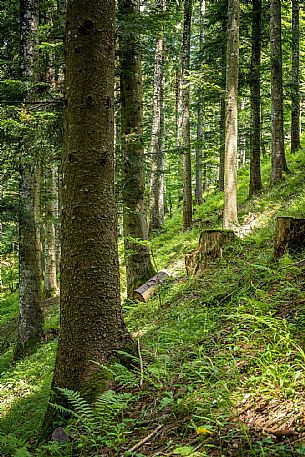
{"points": [[145, 291], [211, 243], [289, 235]]}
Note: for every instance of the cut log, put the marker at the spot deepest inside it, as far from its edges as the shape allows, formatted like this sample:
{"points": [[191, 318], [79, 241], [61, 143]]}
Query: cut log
{"points": [[145, 291], [289, 236], [211, 243]]}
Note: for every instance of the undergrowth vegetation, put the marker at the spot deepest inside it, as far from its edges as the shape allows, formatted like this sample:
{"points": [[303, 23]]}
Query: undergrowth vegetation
{"points": [[220, 369]]}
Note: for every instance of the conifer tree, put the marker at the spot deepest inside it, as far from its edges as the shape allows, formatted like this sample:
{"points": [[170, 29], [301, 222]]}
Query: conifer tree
{"points": [[138, 263], [230, 159], [279, 166]]}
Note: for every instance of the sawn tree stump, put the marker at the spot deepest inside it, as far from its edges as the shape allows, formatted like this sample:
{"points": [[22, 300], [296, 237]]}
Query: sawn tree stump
{"points": [[289, 235], [211, 243], [145, 291]]}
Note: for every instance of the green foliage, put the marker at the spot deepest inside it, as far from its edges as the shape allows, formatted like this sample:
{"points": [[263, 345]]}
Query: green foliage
{"points": [[98, 425]]}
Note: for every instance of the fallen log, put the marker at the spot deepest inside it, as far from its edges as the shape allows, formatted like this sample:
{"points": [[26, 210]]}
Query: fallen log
{"points": [[145, 291], [210, 247], [289, 235]]}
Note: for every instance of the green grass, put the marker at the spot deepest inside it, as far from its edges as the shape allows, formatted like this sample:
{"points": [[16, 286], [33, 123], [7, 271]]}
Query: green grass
{"points": [[223, 355]]}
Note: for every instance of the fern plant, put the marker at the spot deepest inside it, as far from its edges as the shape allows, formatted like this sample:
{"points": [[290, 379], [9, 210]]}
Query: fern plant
{"points": [[98, 424]]}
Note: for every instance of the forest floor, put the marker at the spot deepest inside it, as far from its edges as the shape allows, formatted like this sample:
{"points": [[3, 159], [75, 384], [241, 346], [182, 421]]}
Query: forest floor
{"points": [[220, 369]]}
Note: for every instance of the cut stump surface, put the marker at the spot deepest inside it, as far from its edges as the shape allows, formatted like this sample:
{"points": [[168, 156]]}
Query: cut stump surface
{"points": [[145, 291]]}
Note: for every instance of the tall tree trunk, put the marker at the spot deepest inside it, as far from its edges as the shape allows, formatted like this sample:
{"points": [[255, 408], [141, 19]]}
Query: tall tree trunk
{"points": [[178, 132], [230, 162], [222, 111], [279, 166], [295, 83], [138, 263], [255, 87], [50, 281], [30, 324], [157, 130], [199, 171], [92, 329], [1, 226], [187, 172]]}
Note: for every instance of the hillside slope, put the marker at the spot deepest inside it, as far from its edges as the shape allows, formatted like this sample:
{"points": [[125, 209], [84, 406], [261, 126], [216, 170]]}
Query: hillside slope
{"points": [[220, 369]]}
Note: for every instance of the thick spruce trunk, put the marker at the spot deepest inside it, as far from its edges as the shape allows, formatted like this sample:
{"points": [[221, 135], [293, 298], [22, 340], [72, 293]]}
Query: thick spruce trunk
{"points": [[295, 80], [156, 200], [255, 87], [279, 166], [138, 263], [199, 148], [92, 329], [50, 281], [30, 324], [187, 171], [230, 159]]}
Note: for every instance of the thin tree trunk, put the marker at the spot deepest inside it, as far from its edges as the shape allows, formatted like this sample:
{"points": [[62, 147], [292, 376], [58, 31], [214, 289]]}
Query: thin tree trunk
{"points": [[50, 281], [187, 172], [178, 131], [199, 171], [1, 226], [92, 329], [157, 130], [222, 110], [138, 263], [30, 326], [230, 162], [255, 87], [279, 166], [295, 83]]}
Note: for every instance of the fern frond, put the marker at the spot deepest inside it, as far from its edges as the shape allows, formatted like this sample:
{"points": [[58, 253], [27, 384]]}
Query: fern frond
{"points": [[81, 407]]}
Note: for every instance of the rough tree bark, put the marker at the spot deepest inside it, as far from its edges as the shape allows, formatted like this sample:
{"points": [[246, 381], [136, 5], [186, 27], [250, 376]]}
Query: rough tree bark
{"points": [[295, 83], [92, 329], [50, 281], [138, 263], [222, 110], [187, 173], [199, 148], [156, 211], [255, 87], [279, 166], [230, 160], [30, 324], [144, 292]]}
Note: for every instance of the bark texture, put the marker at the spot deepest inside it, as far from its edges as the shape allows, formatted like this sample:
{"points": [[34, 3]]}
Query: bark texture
{"points": [[289, 236], [211, 243], [50, 280], [222, 107], [255, 87], [92, 328], [156, 200], [144, 292], [138, 263], [279, 166], [295, 82], [230, 159], [187, 171], [30, 324], [199, 148]]}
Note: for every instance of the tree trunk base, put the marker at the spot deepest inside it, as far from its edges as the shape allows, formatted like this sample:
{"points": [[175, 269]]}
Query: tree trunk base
{"points": [[289, 236], [211, 243], [144, 292]]}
